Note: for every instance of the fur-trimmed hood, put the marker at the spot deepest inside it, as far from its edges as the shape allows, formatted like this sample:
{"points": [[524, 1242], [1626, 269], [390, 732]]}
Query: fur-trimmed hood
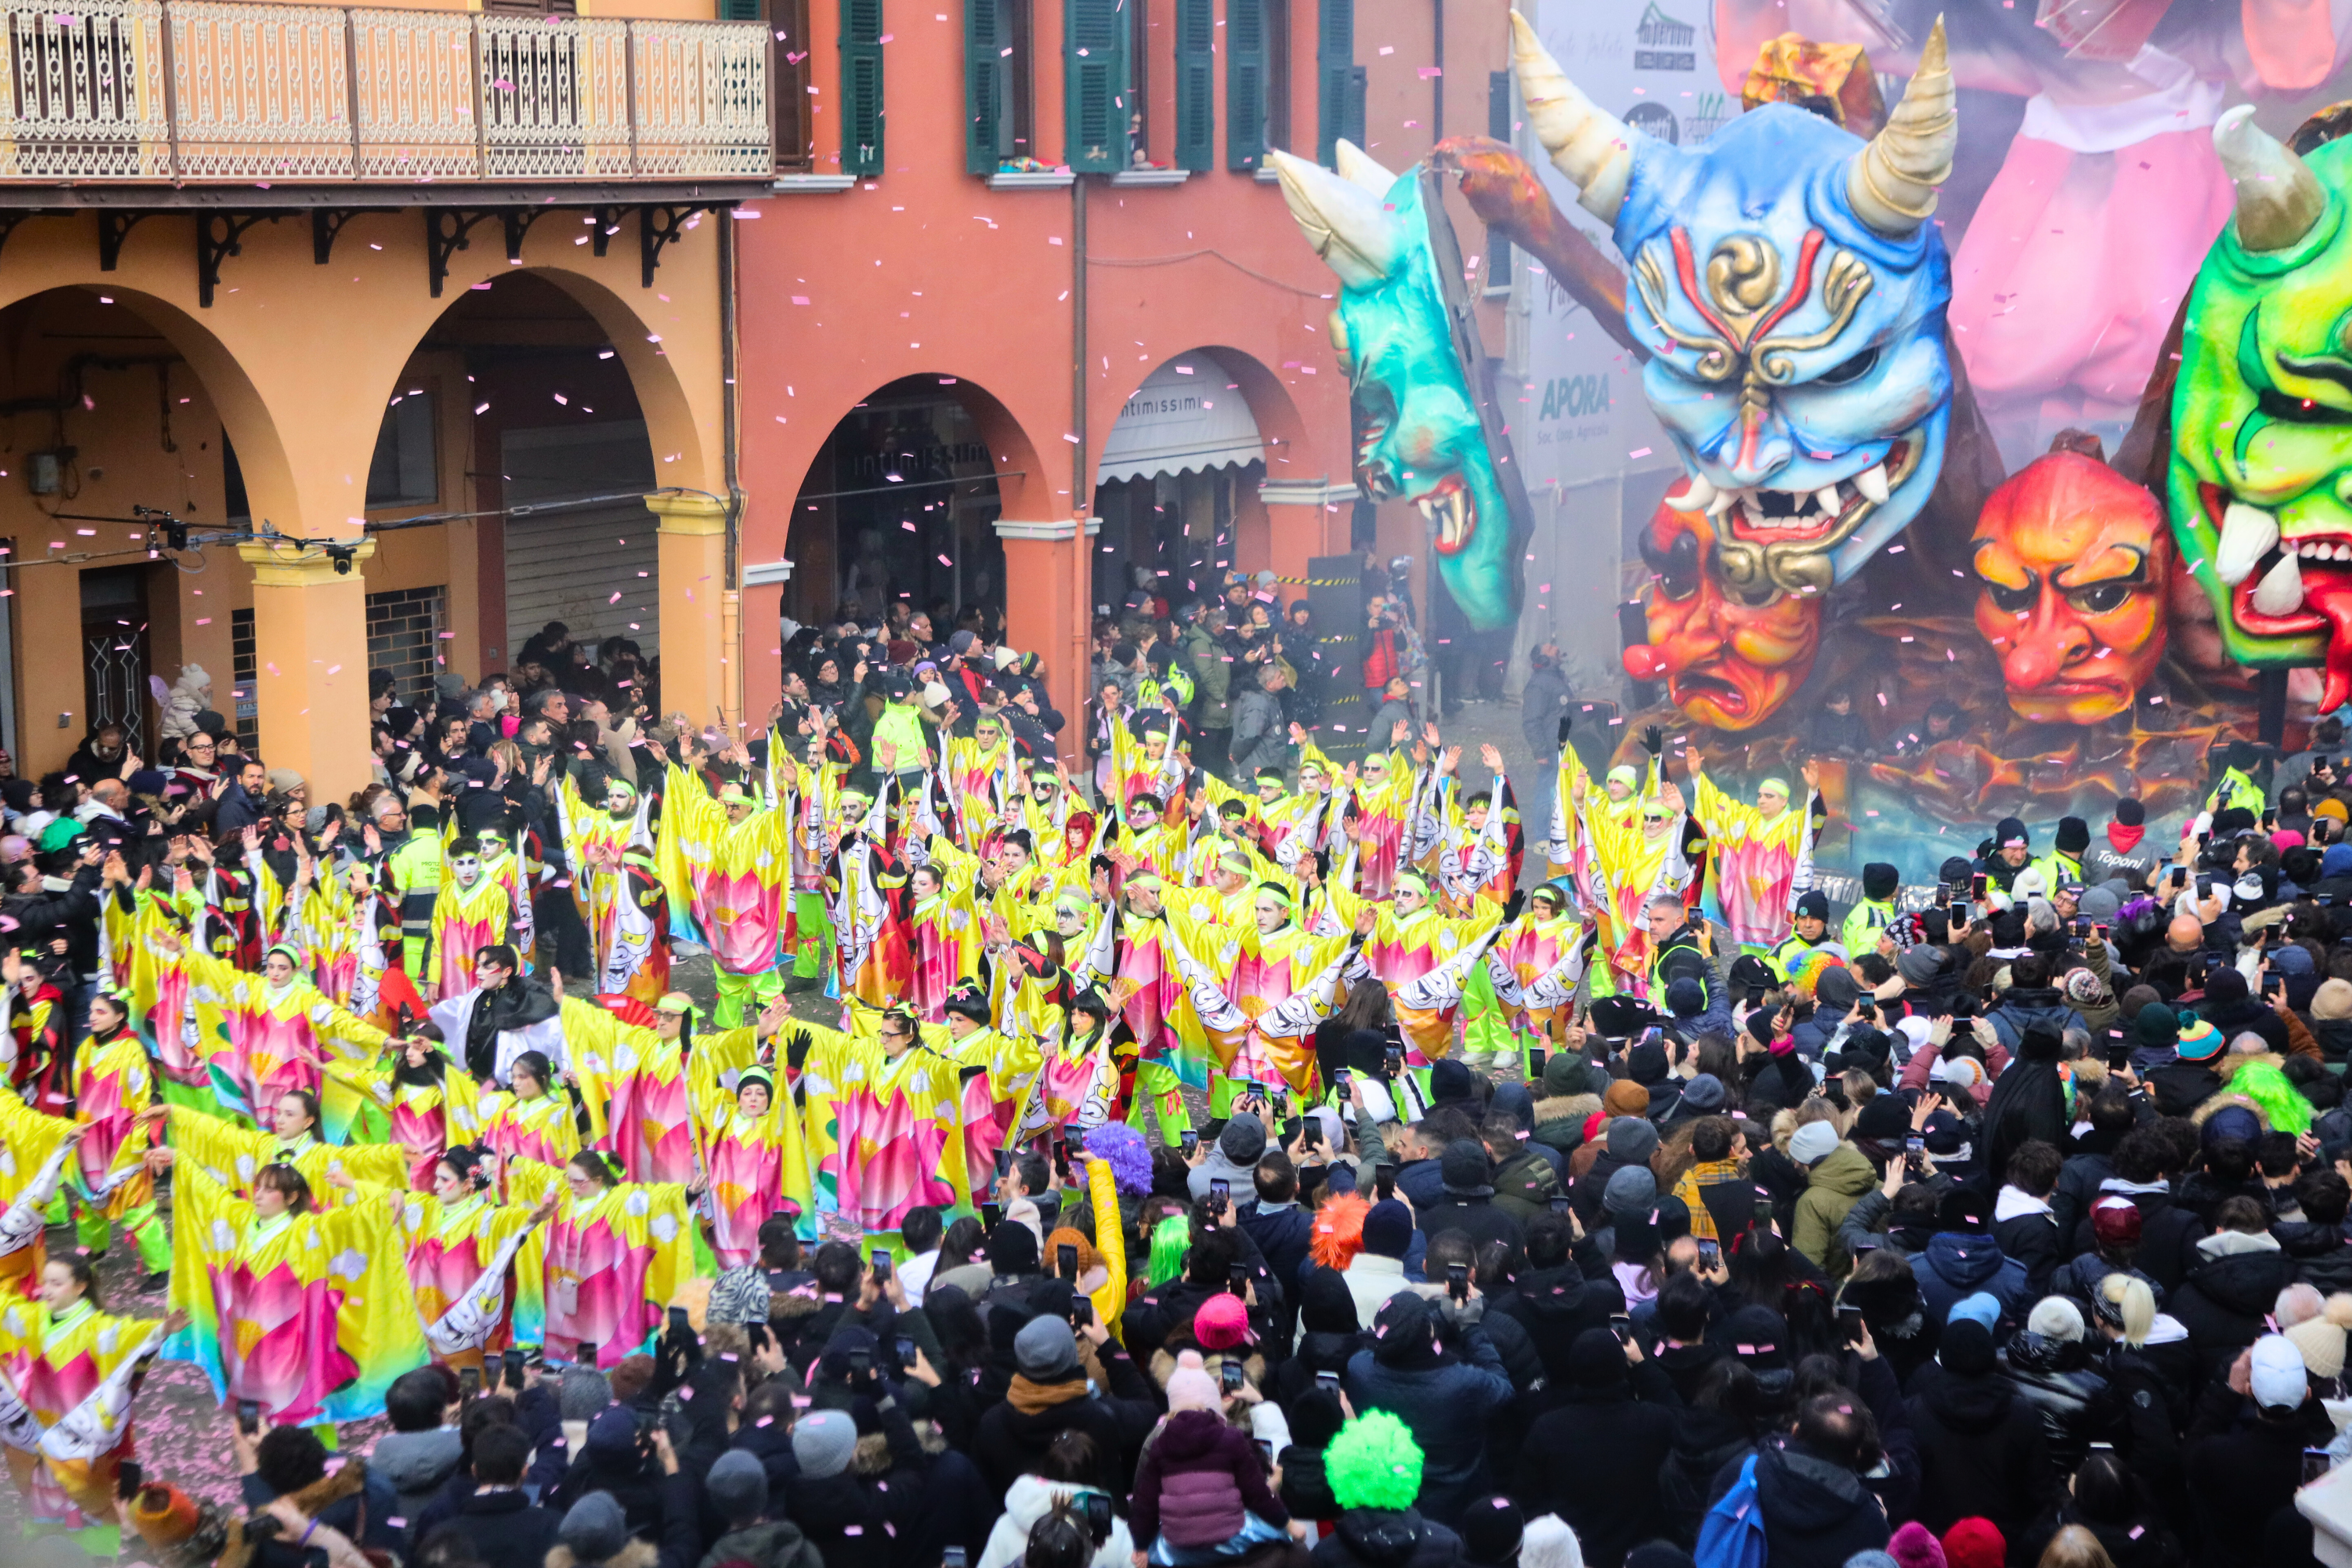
{"points": [[1567, 1108]]}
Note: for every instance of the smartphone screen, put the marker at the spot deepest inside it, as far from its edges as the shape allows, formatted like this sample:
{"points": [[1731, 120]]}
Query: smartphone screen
{"points": [[991, 1215], [1457, 1281], [1187, 1141], [470, 1382], [1229, 1374], [881, 1264], [1065, 1261], [1536, 1056], [1850, 1322], [1329, 1380], [1709, 1254], [1221, 1192], [248, 1416], [1082, 1312], [907, 1349], [1621, 1326], [1977, 885], [1237, 1281]]}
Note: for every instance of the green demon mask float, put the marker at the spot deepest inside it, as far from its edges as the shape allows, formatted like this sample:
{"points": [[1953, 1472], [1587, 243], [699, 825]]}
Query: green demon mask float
{"points": [[1790, 291], [1425, 430], [2262, 411]]}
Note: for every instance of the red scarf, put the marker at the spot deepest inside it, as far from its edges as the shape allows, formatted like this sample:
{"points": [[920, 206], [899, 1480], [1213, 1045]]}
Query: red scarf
{"points": [[2123, 839]]}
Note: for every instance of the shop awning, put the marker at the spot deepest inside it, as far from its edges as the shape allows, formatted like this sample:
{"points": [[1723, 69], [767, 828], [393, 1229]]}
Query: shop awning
{"points": [[1186, 416]]}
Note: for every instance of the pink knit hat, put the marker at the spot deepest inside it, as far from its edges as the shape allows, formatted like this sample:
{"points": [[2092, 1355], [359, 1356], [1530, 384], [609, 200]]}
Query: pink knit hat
{"points": [[1915, 1546], [1222, 1321], [1189, 1386]]}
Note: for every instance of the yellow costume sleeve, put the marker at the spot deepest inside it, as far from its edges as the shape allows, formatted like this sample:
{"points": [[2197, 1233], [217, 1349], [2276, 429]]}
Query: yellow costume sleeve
{"points": [[1110, 1241], [230, 1155], [377, 1324], [345, 1028], [600, 1056], [27, 1138]]}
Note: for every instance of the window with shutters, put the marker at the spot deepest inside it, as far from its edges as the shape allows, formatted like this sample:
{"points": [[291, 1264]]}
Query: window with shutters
{"points": [[1138, 81], [1244, 83], [1278, 73], [996, 83], [1196, 93], [790, 77], [1498, 126], [1338, 91], [861, 86], [1099, 108]]}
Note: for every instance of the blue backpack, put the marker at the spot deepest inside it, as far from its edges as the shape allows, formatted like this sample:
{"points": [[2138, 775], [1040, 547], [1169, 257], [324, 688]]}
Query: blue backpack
{"points": [[1732, 1533]]}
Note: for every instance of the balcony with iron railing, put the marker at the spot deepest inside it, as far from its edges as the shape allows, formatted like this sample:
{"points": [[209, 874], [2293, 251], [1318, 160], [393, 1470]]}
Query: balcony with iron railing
{"points": [[190, 93]]}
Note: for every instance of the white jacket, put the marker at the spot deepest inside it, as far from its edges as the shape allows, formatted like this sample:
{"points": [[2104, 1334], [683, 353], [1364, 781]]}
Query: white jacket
{"points": [[1031, 1499]]}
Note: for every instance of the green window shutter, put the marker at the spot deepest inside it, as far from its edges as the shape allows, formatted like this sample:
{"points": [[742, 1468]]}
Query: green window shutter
{"points": [[1246, 82], [861, 86], [1196, 102], [739, 10], [1337, 80], [985, 39], [1094, 66], [1498, 126]]}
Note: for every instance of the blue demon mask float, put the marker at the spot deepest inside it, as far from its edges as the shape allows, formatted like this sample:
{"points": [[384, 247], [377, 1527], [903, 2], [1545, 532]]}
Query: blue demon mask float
{"points": [[1791, 292]]}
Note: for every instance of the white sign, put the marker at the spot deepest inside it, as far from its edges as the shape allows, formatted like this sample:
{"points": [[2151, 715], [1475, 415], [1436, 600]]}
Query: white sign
{"points": [[1651, 62], [1188, 415]]}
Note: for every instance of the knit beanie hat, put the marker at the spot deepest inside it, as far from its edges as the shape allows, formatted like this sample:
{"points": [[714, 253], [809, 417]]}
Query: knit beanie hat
{"points": [[1464, 1169], [1879, 880], [1565, 1074], [1373, 1463], [1975, 1544], [1631, 1190], [2116, 1221], [2199, 1041], [1388, 1228], [1919, 965], [596, 1530], [738, 1486], [1045, 1350], [2156, 1027], [1625, 1098], [1189, 1386], [1703, 1093], [1813, 1142], [1632, 1140], [1222, 1323], [2083, 987], [2320, 1340], [1491, 1531], [1244, 1138], [2332, 1002], [1966, 1347], [1914, 1545], [2074, 835], [824, 1441]]}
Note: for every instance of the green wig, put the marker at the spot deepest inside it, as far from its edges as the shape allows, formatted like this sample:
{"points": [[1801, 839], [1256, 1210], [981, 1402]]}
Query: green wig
{"points": [[1170, 1238], [2261, 1085], [1373, 1463]]}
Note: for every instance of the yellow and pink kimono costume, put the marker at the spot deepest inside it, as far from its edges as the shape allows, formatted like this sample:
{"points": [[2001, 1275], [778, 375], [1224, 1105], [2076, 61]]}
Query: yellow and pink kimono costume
{"points": [[1276, 986], [65, 1408], [1755, 863], [612, 1262], [112, 1086], [729, 887], [1377, 827], [945, 932], [310, 1315], [540, 1129], [618, 890], [1424, 959], [753, 1163], [882, 1136], [465, 921], [33, 1160], [633, 1082], [274, 1038], [477, 1267], [235, 1155]]}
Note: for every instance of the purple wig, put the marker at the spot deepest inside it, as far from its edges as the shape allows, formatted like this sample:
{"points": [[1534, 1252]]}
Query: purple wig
{"points": [[1122, 1146]]}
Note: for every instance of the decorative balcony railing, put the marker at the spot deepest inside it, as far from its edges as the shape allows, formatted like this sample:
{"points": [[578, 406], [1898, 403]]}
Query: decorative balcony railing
{"points": [[198, 91]]}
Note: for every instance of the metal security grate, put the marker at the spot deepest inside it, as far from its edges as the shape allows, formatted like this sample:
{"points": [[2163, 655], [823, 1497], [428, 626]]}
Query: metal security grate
{"points": [[404, 636], [244, 670]]}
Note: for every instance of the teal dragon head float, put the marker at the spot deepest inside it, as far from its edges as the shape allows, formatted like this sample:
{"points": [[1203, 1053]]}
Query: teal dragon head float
{"points": [[1419, 434], [2260, 474]]}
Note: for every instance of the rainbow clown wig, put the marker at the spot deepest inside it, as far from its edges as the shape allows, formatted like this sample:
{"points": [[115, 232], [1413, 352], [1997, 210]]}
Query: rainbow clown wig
{"points": [[1806, 973], [1373, 1463]]}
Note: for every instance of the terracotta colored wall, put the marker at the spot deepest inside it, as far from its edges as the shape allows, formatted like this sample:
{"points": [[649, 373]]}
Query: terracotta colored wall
{"points": [[926, 270]]}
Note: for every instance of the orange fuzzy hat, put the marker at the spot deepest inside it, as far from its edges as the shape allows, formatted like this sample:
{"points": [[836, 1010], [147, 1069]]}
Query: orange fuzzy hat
{"points": [[1338, 1230]]}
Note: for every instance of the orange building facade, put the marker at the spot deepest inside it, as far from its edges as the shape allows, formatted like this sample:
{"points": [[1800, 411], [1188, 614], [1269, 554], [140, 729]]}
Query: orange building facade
{"points": [[339, 337]]}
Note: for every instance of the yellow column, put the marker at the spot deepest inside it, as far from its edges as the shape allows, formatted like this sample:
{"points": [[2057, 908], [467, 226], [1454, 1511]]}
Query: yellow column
{"points": [[310, 665], [699, 677]]}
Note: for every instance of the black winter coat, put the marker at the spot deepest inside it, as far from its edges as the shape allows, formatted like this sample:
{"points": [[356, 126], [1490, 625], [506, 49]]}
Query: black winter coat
{"points": [[2058, 1378], [1388, 1538], [1554, 1305], [2322, 1258], [2224, 1300], [2168, 1235], [1596, 1460], [1816, 1513], [1982, 1451]]}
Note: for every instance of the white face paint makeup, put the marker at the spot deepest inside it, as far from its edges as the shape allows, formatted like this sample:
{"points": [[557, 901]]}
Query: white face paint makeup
{"points": [[467, 869]]}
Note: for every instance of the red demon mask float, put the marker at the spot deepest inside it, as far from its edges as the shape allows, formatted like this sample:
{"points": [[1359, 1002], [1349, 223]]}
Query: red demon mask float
{"points": [[2074, 562], [1729, 656]]}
